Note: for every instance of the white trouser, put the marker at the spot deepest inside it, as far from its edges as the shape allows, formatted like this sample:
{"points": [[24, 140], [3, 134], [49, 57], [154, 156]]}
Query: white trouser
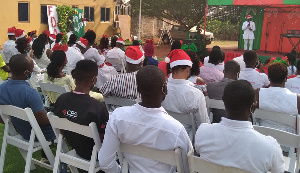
{"points": [[246, 44]]}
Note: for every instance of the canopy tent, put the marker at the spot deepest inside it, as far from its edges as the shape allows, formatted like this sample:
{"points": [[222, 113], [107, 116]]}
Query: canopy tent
{"points": [[272, 18]]}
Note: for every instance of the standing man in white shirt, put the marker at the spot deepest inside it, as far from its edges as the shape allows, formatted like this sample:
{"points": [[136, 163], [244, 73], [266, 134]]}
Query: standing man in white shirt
{"points": [[147, 124], [248, 28], [250, 74], [233, 142], [116, 56], [9, 47], [182, 96]]}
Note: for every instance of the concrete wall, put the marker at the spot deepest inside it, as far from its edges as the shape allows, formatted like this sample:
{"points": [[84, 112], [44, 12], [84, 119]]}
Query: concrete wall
{"points": [[9, 15], [149, 27]]}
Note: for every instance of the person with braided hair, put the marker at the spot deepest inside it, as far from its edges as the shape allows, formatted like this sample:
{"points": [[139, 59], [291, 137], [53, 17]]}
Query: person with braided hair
{"points": [[103, 47], [41, 54], [277, 98]]}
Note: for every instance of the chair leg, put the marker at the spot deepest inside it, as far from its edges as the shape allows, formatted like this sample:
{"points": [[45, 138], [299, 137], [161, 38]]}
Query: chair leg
{"points": [[4, 145], [58, 150], [93, 160], [29, 152], [292, 156], [24, 155]]}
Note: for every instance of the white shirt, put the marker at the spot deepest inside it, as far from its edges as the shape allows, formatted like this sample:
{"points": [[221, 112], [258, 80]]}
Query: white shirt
{"points": [[293, 84], [219, 66], [73, 56], [241, 61], [93, 54], [44, 61], [150, 127], [183, 97], [236, 144], [257, 80], [248, 34], [115, 56], [9, 50], [291, 70], [278, 99]]}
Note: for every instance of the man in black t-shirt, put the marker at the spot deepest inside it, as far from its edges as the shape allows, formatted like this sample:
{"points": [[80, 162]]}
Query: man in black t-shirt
{"points": [[79, 107]]}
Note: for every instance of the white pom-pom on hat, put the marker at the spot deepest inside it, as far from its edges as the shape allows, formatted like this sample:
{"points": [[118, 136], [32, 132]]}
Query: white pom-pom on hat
{"points": [[167, 60]]}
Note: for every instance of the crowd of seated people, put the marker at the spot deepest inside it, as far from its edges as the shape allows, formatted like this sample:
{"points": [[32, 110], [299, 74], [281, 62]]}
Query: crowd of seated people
{"points": [[178, 84]]}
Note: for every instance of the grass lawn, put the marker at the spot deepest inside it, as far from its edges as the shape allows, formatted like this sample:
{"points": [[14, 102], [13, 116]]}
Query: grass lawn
{"points": [[14, 162]]}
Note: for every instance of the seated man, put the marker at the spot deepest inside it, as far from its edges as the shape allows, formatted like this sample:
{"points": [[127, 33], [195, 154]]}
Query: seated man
{"points": [[116, 55], [215, 90], [9, 47], [147, 124], [17, 92], [79, 107], [257, 80], [124, 85], [277, 98], [293, 84], [182, 96], [233, 142], [209, 72]]}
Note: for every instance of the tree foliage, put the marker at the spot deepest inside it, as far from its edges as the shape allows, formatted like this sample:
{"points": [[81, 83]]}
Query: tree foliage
{"points": [[65, 20], [187, 13]]}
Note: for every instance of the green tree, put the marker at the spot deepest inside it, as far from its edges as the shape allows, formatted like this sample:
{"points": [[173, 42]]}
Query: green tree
{"points": [[187, 13]]}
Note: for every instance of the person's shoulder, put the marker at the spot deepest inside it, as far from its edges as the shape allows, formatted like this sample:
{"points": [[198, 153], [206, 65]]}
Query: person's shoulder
{"points": [[124, 111], [267, 141], [206, 129]]}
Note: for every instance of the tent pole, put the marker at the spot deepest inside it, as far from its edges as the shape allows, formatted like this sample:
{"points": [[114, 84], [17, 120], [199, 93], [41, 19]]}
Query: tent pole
{"points": [[206, 4]]}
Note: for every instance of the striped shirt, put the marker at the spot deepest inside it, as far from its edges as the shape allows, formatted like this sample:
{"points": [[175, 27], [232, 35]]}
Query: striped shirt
{"points": [[121, 85]]}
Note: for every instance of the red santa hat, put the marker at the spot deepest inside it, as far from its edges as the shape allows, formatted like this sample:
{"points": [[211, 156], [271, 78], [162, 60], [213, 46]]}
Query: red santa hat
{"points": [[134, 55], [178, 57], [149, 48], [120, 40], [46, 32], [11, 31], [82, 42], [248, 16], [19, 33], [52, 37]]}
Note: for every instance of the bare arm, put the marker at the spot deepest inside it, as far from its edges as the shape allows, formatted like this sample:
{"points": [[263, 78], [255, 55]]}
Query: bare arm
{"points": [[6, 68], [41, 117], [49, 53]]}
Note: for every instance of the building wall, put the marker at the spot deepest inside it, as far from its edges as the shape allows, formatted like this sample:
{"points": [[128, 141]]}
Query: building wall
{"points": [[9, 15], [149, 27]]}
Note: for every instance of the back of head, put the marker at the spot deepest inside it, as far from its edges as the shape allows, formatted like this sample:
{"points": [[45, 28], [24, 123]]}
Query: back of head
{"points": [[215, 56], [277, 72], [135, 43], [57, 59], [43, 37], [58, 37], [113, 42], [21, 45], [19, 64], [90, 35], [238, 96], [149, 48], [216, 48], [176, 45], [38, 46], [103, 43], [195, 70], [72, 39], [85, 70], [231, 68], [249, 56], [150, 80]]}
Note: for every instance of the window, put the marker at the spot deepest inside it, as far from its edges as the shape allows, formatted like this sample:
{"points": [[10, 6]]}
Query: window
{"points": [[105, 14], [44, 16], [23, 11], [117, 10], [89, 14], [74, 6]]}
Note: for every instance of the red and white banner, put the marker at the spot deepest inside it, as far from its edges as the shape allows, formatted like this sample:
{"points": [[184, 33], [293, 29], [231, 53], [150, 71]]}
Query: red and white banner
{"points": [[52, 19]]}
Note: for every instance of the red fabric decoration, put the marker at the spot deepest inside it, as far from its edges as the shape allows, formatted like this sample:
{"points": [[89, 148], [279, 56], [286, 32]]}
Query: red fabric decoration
{"points": [[62, 33], [33, 32], [83, 19], [105, 36], [57, 46], [181, 42], [46, 32], [89, 30], [29, 39]]}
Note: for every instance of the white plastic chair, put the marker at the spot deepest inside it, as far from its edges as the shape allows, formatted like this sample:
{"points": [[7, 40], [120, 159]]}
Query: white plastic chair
{"points": [[286, 139], [112, 102], [70, 157], [188, 119], [200, 165], [171, 157], [49, 87], [25, 147], [214, 104], [287, 119]]}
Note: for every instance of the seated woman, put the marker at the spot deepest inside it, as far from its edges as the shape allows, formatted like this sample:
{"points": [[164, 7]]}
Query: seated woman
{"points": [[195, 71], [41, 54], [277, 98], [56, 76], [149, 52]]}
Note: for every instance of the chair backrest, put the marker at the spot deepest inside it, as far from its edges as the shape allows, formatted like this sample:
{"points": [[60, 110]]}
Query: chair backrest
{"points": [[283, 138], [284, 118], [198, 164], [90, 131], [171, 157], [216, 104], [49, 87], [117, 101], [27, 115]]}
